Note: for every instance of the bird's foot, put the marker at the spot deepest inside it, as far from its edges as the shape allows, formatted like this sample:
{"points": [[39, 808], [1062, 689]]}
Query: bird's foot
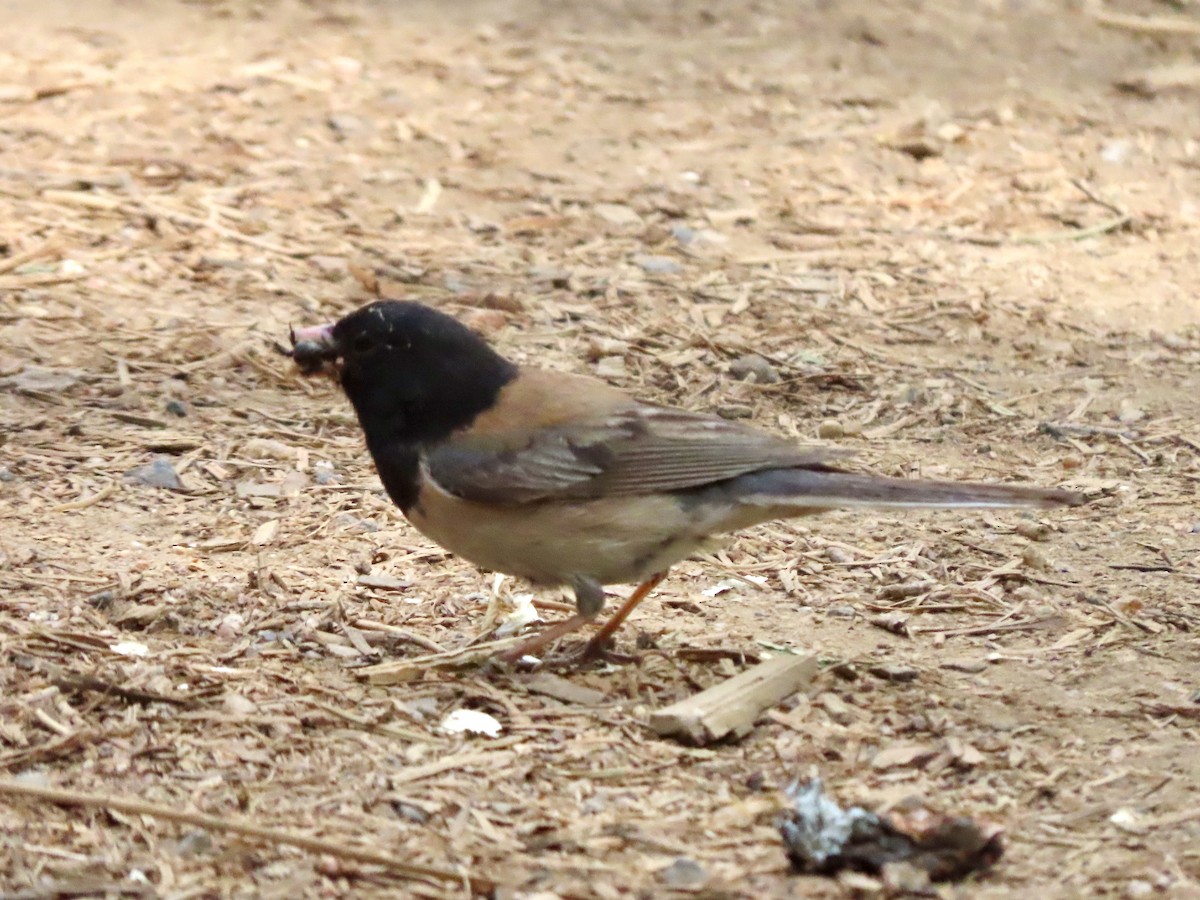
{"points": [[590, 652], [601, 651]]}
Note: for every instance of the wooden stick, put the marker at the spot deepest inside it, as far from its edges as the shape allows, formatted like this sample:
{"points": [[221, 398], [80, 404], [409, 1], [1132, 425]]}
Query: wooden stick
{"points": [[269, 835], [731, 707], [401, 670], [84, 502], [1077, 235], [1164, 25]]}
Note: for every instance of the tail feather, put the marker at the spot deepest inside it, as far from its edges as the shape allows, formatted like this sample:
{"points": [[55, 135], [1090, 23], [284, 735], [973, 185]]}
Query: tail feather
{"points": [[815, 489]]}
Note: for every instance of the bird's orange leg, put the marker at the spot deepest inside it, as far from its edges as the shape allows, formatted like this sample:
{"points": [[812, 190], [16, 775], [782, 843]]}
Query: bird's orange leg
{"points": [[595, 647]]}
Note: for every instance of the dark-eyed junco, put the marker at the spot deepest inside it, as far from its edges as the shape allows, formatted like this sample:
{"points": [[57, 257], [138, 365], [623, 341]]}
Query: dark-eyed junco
{"points": [[565, 480]]}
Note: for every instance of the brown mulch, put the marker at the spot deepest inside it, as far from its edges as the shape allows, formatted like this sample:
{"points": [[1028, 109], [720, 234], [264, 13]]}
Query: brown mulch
{"points": [[941, 235]]}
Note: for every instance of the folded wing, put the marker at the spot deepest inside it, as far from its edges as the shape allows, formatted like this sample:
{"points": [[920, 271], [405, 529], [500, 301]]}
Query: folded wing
{"points": [[636, 450]]}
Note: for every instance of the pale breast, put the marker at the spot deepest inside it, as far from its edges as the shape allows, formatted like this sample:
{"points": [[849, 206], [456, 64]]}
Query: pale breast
{"points": [[611, 540]]}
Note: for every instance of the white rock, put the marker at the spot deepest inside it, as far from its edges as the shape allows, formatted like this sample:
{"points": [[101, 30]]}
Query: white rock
{"points": [[471, 721]]}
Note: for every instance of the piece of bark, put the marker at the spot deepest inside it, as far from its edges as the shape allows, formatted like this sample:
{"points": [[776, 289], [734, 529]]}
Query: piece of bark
{"points": [[729, 709], [551, 685]]}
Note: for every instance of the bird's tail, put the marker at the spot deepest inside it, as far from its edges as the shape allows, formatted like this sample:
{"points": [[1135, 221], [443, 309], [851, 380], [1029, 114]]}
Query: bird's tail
{"points": [[831, 489]]}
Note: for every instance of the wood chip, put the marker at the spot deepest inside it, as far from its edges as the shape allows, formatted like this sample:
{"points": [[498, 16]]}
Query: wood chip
{"points": [[265, 533], [551, 685], [730, 708], [903, 755]]}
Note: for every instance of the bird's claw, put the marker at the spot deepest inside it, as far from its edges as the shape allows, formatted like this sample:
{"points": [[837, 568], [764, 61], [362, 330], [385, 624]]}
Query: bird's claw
{"points": [[594, 651]]}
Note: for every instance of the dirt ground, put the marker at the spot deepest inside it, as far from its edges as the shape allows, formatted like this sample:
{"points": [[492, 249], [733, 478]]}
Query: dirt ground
{"points": [[963, 235]]}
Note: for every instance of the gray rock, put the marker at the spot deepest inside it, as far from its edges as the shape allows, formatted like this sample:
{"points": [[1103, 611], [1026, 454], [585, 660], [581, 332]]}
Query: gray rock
{"points": [[890, 672], [158, 473], [352, 524], [323, 473], [410, 812], [683, 873], [753, 366], [194, 843], [658, 265], [684, 235], [39, 380]]}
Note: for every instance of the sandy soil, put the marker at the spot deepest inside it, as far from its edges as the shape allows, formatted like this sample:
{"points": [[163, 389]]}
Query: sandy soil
{"points": [[960, 243]]}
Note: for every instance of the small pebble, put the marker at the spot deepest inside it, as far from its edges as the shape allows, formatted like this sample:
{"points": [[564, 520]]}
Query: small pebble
{"points": [[268, 448], [683, 873], [1035, 559], [1116, 152], [37, 778], [845, 612], [837, 555], [658, 265], [177, 408], [230, 627], [354, 525], [683, 234], [410, 812], [1035, 531], [844, 671], [237, 705], [898, 674], [830, 429], [194, 843], [6, 475], [1129, 413], [735, 412], [754, 367], [323, 473], [159, 473], [102, 600]]}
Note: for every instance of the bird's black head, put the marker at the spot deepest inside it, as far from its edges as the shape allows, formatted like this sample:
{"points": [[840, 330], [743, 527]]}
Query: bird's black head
{"points": [[412, 373]]}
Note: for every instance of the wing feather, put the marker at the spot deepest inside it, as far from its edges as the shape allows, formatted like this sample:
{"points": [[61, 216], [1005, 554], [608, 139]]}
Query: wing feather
{"points": [[636, 450]]}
